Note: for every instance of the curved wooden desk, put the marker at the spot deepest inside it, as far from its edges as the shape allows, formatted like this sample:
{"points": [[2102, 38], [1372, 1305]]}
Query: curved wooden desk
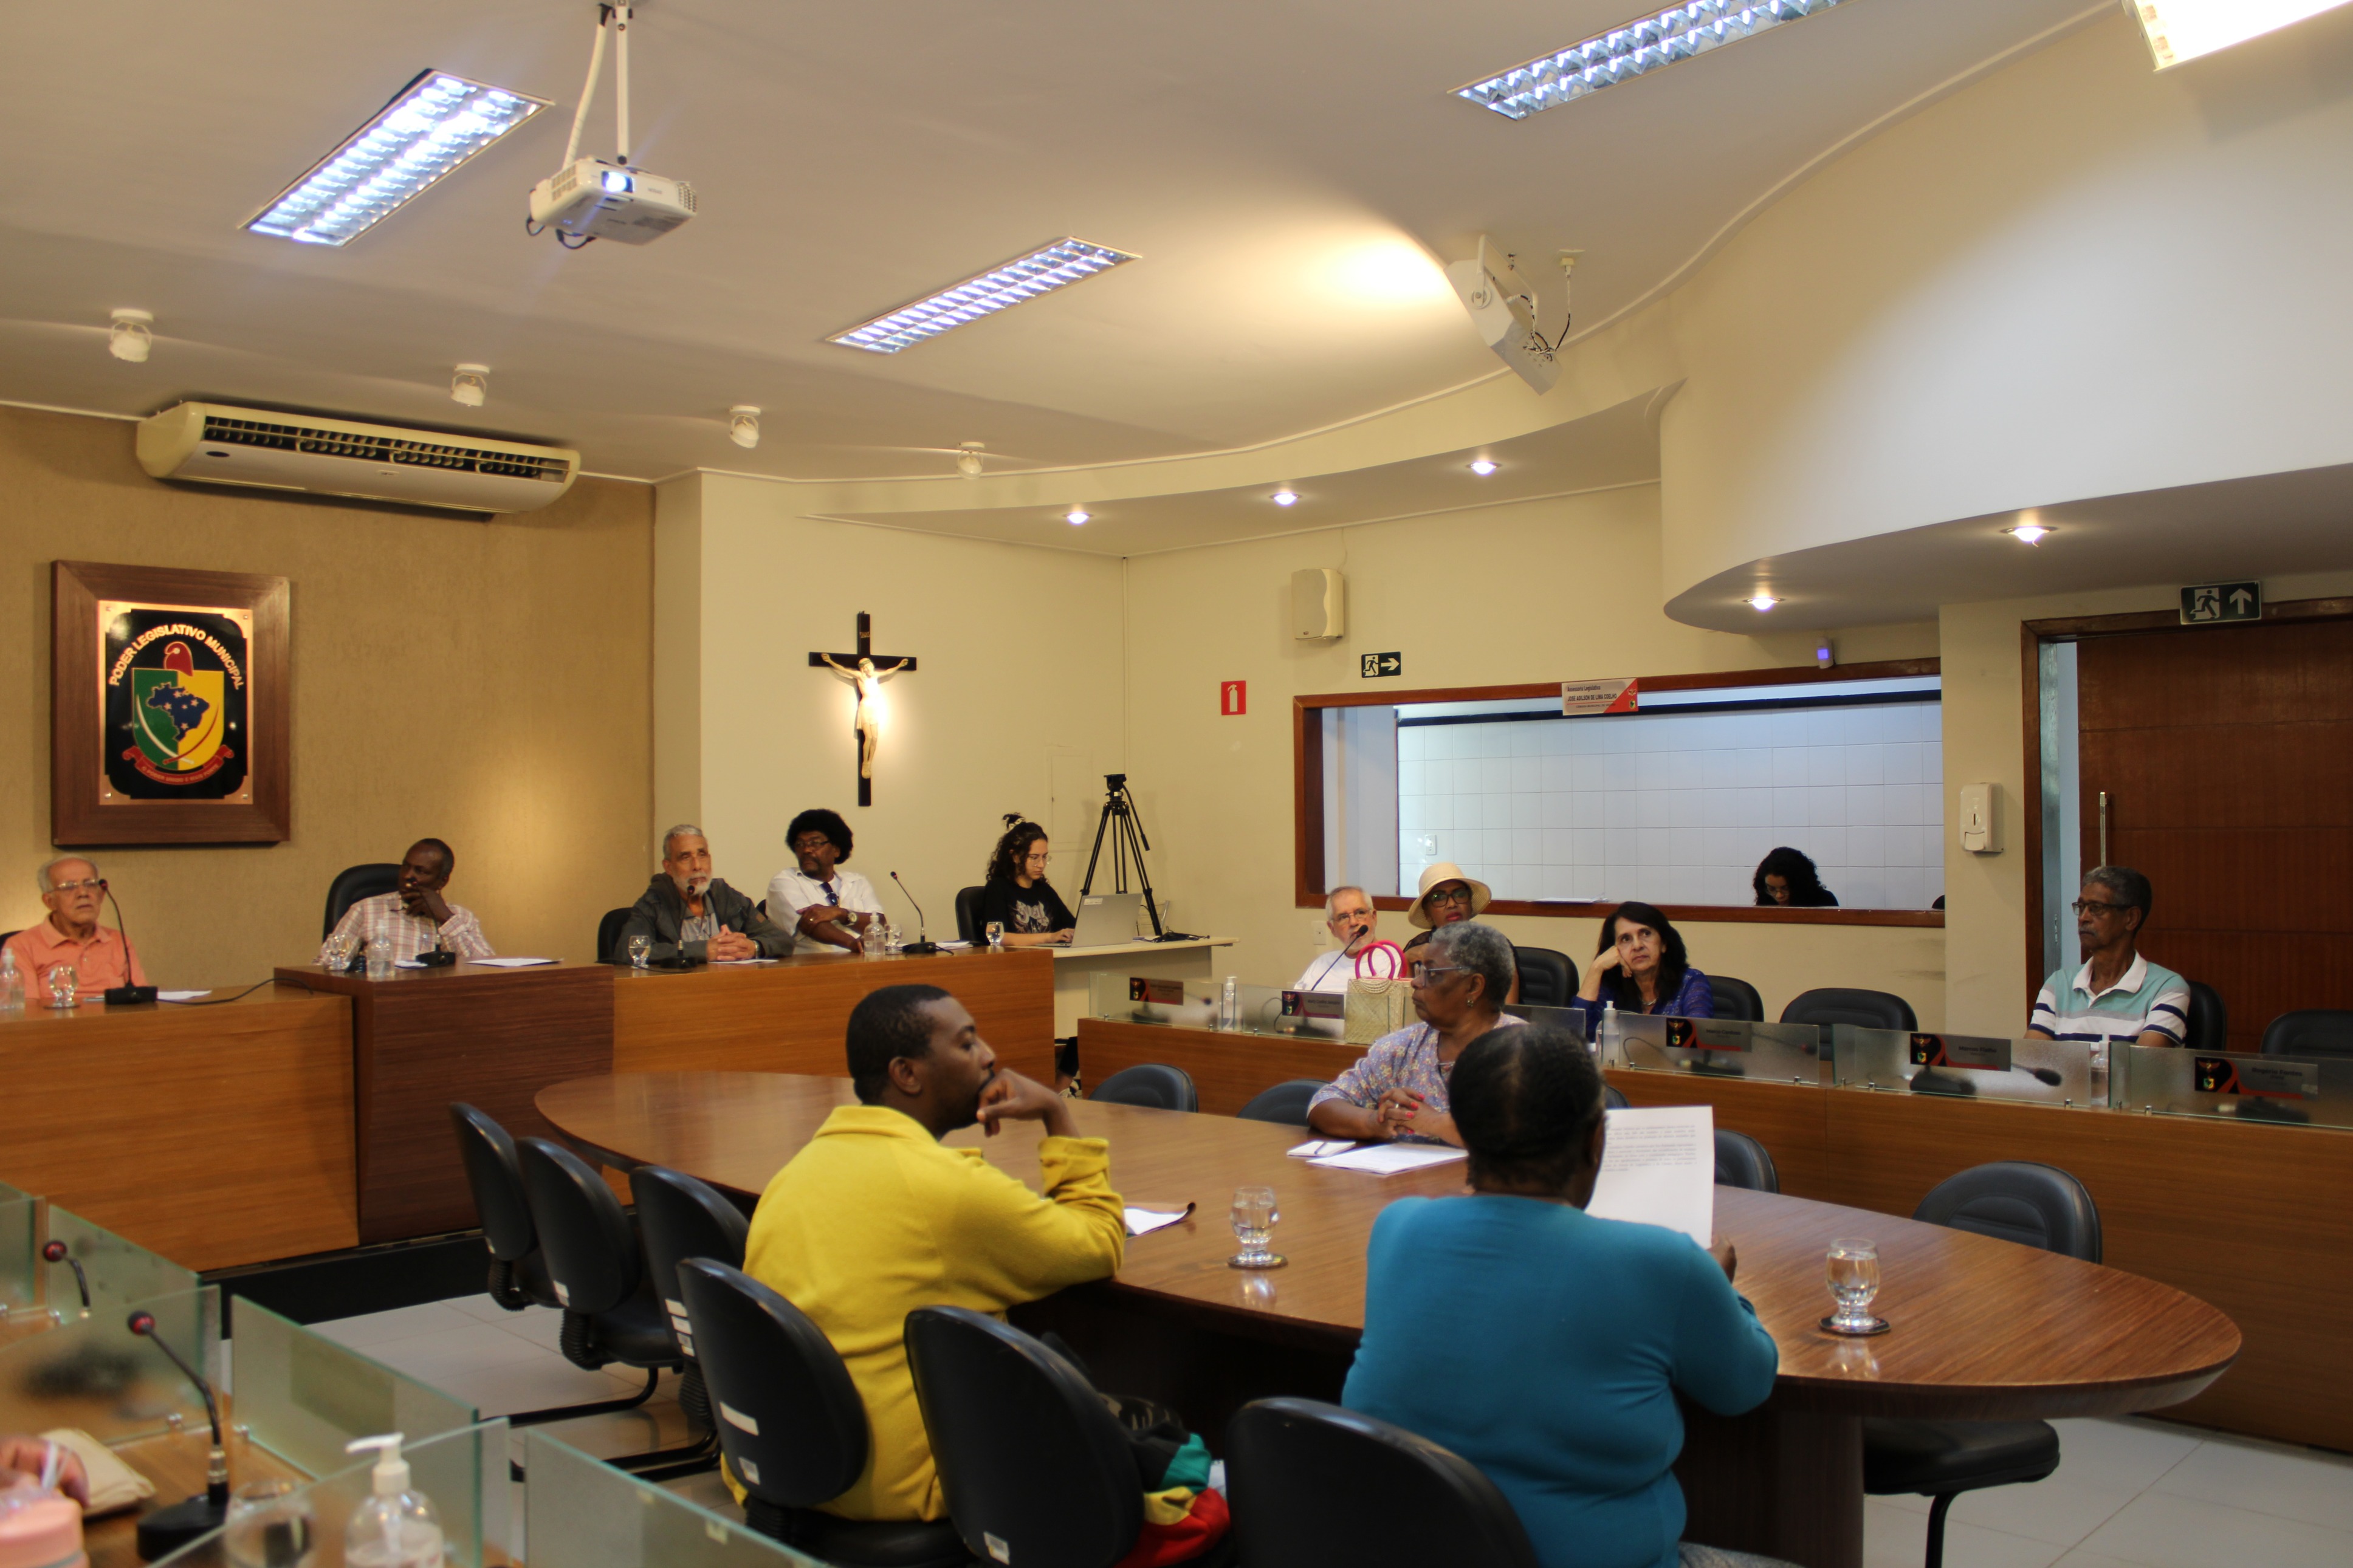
{"points": [[1984, 1330]]}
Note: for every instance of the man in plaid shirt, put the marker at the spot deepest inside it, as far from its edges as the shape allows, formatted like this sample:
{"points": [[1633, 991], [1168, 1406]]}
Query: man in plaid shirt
{"points": [[416, 916]]}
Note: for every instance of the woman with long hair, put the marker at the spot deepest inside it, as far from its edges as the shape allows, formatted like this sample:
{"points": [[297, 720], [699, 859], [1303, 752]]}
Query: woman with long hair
{"points": [[1016, 894], [1642, 967], [1789, 877]]}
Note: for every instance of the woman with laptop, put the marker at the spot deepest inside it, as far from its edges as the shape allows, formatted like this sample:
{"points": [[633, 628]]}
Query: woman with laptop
{"points": [[1016, 895]]}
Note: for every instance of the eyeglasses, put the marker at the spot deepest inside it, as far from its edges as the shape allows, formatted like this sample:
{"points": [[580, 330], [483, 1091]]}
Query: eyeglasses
{"points": [[1038, 859], [1426, 973], [1447, 896], [77, 886], [2095, 906]]}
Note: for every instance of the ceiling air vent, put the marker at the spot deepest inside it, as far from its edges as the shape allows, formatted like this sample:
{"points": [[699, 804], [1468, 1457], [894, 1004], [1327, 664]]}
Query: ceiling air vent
{"points": [[212, 444]]}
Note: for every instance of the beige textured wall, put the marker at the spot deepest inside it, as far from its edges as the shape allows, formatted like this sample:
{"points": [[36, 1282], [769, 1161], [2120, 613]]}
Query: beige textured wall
{"points": [[1542, 591], [483, 682]]}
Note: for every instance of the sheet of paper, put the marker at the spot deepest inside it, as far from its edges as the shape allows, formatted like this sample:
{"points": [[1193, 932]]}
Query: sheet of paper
{"points": [[1314, 1148], [1658, 1168], [180, 995], [406, 963], [1144, 1222], [740, 963], [956, 947], [504, 962], [1388, 1159]]}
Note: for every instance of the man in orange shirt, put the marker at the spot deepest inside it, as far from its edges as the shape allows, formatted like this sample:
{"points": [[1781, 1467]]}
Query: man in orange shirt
{"points": [[100, 958]]}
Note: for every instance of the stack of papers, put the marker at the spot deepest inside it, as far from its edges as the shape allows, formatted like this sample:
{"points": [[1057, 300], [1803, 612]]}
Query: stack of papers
{"points": [[1380, 1159], [507, 963]]}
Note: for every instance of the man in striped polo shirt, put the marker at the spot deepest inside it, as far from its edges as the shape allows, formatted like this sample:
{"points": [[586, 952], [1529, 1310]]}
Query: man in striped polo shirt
{"points": [[2118, 996]]}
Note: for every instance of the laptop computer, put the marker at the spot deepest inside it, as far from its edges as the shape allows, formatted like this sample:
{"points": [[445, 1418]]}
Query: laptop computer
{"points": [[1107, 919]]}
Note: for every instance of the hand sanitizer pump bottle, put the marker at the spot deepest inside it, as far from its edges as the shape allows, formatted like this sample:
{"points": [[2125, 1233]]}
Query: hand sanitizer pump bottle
{"points": [[395, 1528], [1612, 1051]]}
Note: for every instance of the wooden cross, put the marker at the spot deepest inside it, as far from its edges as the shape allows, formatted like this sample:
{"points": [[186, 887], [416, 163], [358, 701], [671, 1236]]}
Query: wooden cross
{"points": [[867, 671]]}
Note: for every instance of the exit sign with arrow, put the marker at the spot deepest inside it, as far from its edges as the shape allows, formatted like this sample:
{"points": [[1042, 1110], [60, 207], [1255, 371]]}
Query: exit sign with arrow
{"points": [[1375, 666], [2211, 603]]}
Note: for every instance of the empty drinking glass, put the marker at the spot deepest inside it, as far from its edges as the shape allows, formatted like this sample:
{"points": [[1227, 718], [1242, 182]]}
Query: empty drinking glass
{"points": [[339, 951], [1255, 1216], [269, 1526], [893, 939], [64, 986], [642, 947], [379, 958], [995, 932], [1853, 1266]]}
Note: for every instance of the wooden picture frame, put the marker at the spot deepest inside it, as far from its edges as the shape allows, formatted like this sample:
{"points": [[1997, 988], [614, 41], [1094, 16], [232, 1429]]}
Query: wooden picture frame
{"points": [[168, 707]]}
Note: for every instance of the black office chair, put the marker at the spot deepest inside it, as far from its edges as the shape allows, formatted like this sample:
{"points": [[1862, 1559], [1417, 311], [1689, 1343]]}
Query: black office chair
{"points": [[1735, 999], [610, 1311], [2208, 1026], [1035, 1468], [1314, 1485], [1863, 1009], [353, 883], [2310, 1032], [968, 913], [679, 1218], [1286, 1103], [1154, 1084], [2034, 1205], [608, 936], [518, 1277], [797, 1434], [1611, 1099], [1742, 1162], [1547, 978]]}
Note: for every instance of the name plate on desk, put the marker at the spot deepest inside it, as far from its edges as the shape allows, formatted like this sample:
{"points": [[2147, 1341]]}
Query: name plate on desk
{"points": [[1968, 1051], [2270, 1079], [1160, 992], [1706, 1035], [1315, 1005]]}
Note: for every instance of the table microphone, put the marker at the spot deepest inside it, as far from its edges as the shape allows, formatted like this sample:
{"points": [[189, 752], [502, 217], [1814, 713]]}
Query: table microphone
{"points": [[125, 994], [168, 1529], [920, 946], [57, 1252]]}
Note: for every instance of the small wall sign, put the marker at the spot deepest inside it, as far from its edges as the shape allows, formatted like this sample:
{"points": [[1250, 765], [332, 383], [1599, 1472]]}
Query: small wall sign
{"points": [[1233, 697], [2211, 603]]}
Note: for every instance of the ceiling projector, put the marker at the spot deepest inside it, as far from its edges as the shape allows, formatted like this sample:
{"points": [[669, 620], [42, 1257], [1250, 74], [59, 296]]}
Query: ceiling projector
{"points": [[1502, 306], [591, 199]]}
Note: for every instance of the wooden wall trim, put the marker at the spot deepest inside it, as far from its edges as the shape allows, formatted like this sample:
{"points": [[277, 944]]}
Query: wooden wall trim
{"points": [[2029, 660], [1719, 914], [1306, 804], [1792, 675], [2071, 626]]}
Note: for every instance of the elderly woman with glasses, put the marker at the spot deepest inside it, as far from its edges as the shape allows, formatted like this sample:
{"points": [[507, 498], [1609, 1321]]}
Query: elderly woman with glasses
{"points": [[1397, 1088]]}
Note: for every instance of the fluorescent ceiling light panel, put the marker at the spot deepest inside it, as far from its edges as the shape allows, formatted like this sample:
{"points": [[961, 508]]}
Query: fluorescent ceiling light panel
{"points": [[437, 122], [2182, 30], [1043, 271], [1638, 47]]}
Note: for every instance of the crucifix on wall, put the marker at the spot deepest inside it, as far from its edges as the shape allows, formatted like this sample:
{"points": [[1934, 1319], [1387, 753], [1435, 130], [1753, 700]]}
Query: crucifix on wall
{"points": [[866, 671]]}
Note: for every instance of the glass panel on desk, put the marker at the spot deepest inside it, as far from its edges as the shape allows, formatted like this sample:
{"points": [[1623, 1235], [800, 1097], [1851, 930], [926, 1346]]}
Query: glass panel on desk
{"points": [[1195, 1004], [579, 1512], [1969, 1066], [1721, 1048], [94, 1374], [2298, 1091], [20, 1265], [118, 1270], [303, 1397], [462, 1473]]}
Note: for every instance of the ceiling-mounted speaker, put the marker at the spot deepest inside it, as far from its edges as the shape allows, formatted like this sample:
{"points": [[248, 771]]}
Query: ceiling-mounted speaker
{"points": [[1319, 604]]}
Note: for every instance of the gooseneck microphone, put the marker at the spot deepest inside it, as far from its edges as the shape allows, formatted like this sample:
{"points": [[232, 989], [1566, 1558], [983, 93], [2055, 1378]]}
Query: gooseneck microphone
{"points": [[168, 1529], [125, 994], [922, 944], [57, 1252]]}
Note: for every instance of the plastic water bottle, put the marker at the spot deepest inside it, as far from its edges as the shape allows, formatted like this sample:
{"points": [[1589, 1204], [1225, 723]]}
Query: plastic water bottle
{"points": [[12, 984], [1229, 1005], [1605, 1039]]}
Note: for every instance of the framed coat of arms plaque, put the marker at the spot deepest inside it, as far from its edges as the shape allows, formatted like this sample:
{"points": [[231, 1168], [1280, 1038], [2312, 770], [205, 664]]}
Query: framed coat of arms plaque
{"points": [[168, 707]]}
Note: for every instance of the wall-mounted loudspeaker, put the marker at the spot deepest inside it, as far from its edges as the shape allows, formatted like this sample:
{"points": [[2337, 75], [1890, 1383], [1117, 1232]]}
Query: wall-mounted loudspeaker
{"points": [[1319, 604]]}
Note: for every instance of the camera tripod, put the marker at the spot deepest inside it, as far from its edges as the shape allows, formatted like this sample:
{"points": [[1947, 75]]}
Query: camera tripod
{"points": [[1124, 826]]}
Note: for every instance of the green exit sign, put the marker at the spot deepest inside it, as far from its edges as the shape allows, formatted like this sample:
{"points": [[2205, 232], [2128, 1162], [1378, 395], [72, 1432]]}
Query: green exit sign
{"points": [[2212, 604]]}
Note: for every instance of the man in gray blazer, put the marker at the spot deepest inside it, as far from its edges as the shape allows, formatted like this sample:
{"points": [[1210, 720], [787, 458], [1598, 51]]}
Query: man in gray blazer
{"points": [[688, 912]]}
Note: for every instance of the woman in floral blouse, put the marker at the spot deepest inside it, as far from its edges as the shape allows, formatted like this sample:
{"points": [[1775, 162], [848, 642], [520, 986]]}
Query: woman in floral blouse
{"points": [[1397, 1089]]}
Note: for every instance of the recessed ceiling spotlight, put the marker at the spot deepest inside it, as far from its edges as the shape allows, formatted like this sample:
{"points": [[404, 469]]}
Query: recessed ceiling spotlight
{"points": [[470, 384], [1076, 516], [1043, 271], [743, 425], [1285, 496], [1761, 602], [2029, 532], [1482, 467], [2182, 30], [1637, 48], [434, 124], [131, 336], [968, 459]]}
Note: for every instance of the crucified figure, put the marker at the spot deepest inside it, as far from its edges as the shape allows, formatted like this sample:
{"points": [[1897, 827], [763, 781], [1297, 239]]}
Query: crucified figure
{"points": [[868, 677]]}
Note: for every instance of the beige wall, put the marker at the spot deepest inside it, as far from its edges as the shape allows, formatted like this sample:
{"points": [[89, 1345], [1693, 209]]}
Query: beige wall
{"points": [[1986, 987], [482, 682], [1016, 706], [1539, 592]]}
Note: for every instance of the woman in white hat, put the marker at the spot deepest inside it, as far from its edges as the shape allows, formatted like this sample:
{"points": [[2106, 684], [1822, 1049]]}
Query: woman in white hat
{"points": [[1447, 896]]}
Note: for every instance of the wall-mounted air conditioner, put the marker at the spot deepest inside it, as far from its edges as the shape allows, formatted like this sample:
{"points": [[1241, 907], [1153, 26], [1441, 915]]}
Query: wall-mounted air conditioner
{"points": [[214, 444]]}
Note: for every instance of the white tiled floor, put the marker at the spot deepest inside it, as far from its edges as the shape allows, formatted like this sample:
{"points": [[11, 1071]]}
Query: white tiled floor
{"points": [[2128, 1494]]}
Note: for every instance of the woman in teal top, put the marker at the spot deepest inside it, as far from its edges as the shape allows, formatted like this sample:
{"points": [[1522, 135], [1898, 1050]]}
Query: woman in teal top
{"points": [[1544, 1345]]}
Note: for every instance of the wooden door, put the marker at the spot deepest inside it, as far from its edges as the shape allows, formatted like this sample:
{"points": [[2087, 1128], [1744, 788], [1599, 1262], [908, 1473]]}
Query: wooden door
{"points": [[2227, 756]]}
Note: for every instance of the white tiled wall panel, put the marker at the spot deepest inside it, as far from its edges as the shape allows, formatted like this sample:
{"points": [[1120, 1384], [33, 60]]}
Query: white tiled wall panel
{"points": [[1678, 808]]}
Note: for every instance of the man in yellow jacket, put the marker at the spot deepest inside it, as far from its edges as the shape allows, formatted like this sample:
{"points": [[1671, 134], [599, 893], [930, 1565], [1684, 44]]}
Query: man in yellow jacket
{"points": [[874, 1218]]}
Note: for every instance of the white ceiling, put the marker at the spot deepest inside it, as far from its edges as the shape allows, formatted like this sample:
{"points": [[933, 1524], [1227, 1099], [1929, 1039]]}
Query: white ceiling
{"points": [[1286, 172]]}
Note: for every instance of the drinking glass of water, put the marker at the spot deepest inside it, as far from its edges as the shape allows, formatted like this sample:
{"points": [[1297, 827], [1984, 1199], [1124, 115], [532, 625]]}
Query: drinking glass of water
{"points": [[995, 932], [1255, 1216], [642, 947], [64, 986], [1853, 1267]]}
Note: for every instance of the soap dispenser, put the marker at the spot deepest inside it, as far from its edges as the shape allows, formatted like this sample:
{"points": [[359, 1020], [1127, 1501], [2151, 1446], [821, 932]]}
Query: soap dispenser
{"points": [[395, 1528]]}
